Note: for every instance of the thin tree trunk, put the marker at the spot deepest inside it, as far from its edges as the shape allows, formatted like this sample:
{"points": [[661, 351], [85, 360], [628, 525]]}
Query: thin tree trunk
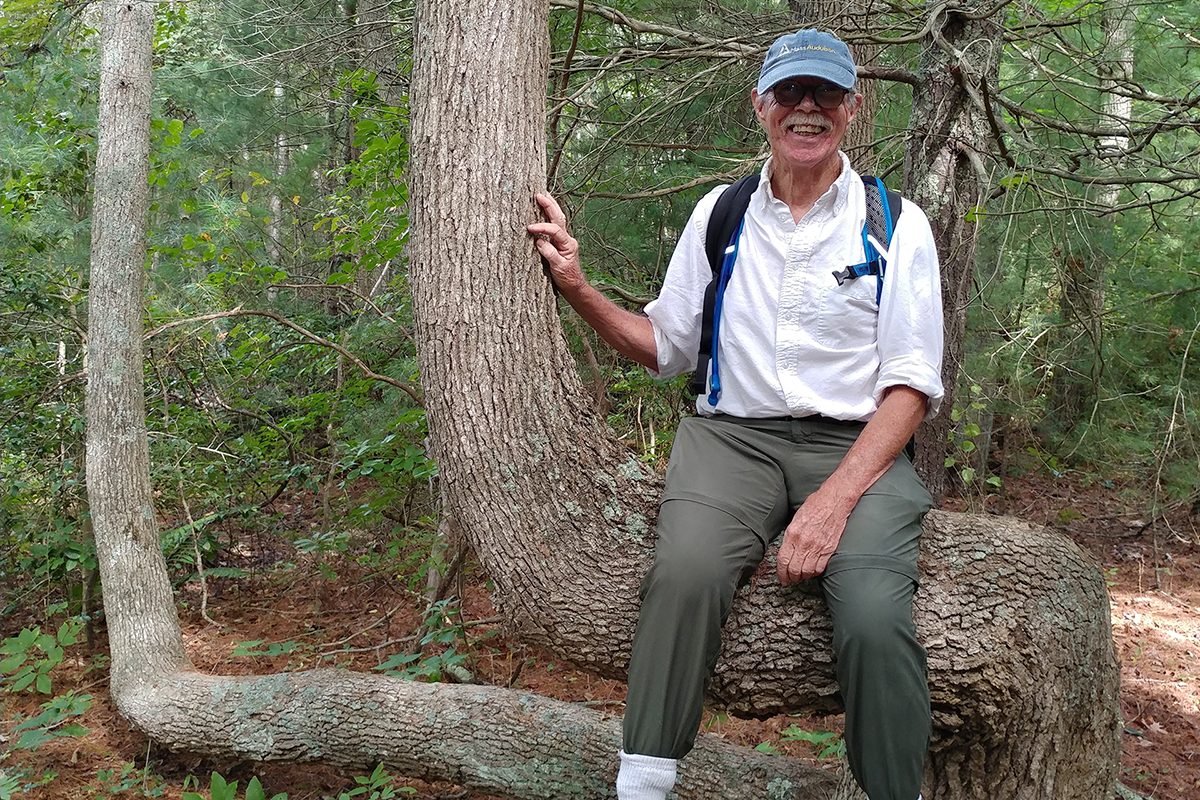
{"points": [[381, 49], [947, 137], [275, 203], [146, 642], [849, 19], [1088, 247]]}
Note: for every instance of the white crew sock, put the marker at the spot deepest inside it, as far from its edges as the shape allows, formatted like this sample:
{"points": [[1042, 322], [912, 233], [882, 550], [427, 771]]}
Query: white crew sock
{"points": [[645, 777]]}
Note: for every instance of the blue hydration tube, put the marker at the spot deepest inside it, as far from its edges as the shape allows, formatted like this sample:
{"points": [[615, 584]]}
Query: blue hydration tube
{"points": [[726, 272]]}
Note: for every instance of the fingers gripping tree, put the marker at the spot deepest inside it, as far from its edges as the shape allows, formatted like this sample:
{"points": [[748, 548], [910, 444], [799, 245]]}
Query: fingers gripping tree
{"points": [[560, 513]]}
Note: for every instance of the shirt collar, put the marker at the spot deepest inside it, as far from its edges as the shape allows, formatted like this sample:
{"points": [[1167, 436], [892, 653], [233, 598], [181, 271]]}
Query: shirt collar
{"points": [[835, 198]]}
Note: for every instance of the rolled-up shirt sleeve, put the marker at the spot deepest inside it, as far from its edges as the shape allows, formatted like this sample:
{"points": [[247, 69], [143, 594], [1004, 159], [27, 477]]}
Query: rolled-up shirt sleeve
{"points": [[910, 312], [676, 314]]}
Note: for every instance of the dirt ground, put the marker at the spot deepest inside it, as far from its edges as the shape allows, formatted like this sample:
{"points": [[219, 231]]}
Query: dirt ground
{"points": [[1152, 566]]}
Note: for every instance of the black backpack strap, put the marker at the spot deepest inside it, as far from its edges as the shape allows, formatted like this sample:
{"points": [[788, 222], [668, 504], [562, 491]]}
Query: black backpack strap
{"points": [[723, 224], [883, 212], [883, 209]]}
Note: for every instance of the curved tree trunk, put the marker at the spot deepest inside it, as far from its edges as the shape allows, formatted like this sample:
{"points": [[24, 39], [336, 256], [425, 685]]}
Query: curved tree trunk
{"points": [[1015, 618], [560, 514], [132, 569]]}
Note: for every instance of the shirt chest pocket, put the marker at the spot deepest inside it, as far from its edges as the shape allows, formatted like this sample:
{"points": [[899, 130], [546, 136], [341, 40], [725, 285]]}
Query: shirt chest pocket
{"points": [[847, 316]]}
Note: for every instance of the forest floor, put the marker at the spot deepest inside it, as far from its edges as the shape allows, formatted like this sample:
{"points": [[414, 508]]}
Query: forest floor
{"points": [[335, 611]]}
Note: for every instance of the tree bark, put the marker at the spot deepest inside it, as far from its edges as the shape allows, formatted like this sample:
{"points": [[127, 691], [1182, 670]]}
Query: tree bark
{"points": [[947, 141], [134, 576], [1088, 250], [488, 739], [849, 19], [560, 514], [1022, 667]]}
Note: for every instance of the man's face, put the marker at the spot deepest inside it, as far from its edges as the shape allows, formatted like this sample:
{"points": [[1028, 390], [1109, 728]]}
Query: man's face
{"points": [[804, 135]]}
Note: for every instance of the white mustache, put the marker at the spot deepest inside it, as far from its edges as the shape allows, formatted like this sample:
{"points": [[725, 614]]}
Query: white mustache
{"points": [[797, 118]]}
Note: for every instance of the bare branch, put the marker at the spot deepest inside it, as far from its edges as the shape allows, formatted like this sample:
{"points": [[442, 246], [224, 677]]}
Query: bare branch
{"points": [[321, 340], [666, 190], [641, 26], [336, 287]]}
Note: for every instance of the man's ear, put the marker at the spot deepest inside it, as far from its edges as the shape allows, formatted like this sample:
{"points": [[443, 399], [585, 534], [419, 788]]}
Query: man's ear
{"points": [[759, 105], [858, 102]]}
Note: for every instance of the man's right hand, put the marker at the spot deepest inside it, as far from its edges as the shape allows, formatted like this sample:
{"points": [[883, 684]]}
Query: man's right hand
{"points": [[630, 334], [558, 246]]}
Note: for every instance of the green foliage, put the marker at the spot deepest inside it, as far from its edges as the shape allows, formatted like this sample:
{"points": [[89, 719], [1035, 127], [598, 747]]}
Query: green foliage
{"points": [[14, 784], [444, 627], [31, 655], [962, 449], [128, 779], [828, 745], [36, 731], [376, 786], [9, 785], [220, 789], [366, 218], [255, 647]]}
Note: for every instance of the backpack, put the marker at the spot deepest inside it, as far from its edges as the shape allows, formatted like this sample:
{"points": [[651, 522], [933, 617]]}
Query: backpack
{"points": [[721, 242]]}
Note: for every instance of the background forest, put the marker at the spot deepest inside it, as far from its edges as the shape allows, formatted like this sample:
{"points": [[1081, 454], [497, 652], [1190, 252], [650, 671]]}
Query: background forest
{"points": [[287, 435]]}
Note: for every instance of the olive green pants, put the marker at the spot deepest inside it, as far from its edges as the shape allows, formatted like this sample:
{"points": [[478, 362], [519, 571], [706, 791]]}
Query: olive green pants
{"points": [[732, 486]]}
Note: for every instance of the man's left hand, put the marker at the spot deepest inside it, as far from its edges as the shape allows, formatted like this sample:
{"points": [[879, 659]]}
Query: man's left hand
{"points": [[812, 537]]}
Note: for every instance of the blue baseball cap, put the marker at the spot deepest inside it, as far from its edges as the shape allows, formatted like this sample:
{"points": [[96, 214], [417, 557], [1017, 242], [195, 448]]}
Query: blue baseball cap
{"points": [[808, 53]]}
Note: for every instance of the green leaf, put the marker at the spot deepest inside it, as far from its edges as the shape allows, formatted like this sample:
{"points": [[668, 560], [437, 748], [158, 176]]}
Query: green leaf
{"points": [[221, 790], [31, 740], [226, 572], [23, 682], [68, 632], [175, 127], [43, 683], [254, 790]]}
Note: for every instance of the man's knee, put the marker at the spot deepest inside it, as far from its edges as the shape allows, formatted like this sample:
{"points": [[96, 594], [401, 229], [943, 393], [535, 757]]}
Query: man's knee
{"points": [[872, 611], [702, 554], [689, 579]]}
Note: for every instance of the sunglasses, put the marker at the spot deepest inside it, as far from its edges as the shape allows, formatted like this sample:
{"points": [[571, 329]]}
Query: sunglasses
{"points": [[826, 95]]}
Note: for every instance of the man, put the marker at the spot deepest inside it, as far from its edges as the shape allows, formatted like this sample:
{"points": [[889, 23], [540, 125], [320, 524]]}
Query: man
{"points": [[823, 382]]}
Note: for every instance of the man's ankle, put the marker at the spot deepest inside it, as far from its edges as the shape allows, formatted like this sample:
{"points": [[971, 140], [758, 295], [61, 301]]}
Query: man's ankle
{"points": [[645, 777]]}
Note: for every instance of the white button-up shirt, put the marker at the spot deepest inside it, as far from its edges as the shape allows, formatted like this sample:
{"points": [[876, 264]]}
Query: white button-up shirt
{"points": [[792, 341]]}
